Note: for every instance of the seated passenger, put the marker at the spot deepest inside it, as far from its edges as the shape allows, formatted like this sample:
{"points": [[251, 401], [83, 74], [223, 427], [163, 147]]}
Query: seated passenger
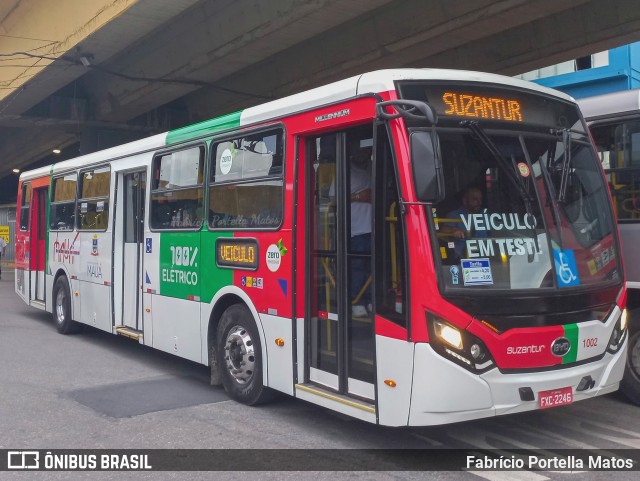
{"points": [[471, 204]]}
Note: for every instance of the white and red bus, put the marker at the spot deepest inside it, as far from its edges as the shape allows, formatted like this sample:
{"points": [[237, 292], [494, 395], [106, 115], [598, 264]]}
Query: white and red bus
{"points": [[614, 122], [408, 247]]}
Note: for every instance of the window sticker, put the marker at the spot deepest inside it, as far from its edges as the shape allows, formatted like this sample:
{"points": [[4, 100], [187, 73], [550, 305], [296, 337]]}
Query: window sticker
{"points": [[455, 272], [100, 206], [566, 269], [601, 260], [524, 169], [83, 208], [226, 161], [476, 272]]}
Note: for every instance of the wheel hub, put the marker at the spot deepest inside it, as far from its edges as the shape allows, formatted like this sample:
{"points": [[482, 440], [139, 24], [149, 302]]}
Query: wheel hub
{"points": [[60, 306], [239, 354]]}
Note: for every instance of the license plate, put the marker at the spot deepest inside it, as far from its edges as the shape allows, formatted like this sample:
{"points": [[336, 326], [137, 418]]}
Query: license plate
{"points": [[555, 397]]}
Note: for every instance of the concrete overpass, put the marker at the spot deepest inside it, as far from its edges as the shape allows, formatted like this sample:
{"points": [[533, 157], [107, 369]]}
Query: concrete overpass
{"points": [[97, 73]]}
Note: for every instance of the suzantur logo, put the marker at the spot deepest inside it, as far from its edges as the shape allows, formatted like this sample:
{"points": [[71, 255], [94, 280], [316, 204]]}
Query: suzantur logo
{"points": [[532, 349]]}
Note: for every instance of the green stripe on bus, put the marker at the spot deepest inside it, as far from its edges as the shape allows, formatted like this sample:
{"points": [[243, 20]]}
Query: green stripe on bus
{"points": [[212, 126], [188, 266], [571, 332]]}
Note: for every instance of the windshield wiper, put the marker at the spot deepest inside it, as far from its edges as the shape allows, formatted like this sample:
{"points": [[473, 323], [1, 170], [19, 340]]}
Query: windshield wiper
{"points": [[547, 180], [566, 164], [507, 167]]}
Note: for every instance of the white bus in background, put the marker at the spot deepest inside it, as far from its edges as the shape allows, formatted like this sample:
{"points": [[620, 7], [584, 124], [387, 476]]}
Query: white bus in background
{"points": [[614, 122]]}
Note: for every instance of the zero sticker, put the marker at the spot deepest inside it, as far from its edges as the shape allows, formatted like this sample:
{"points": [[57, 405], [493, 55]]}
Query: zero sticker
{"points": [[273, 258], [524, 169], [226, 159]]}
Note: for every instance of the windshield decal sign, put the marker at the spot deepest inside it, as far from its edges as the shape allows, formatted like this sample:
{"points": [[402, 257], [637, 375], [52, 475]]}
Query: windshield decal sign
{"points": [[566, 269], [486, 221], [479, 225], [476, 272], [503, 247]]}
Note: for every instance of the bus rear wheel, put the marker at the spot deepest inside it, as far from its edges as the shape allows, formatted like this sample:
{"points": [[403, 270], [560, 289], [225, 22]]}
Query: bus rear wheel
{"points": [[630, 385], [240, 356], [62, 307]]}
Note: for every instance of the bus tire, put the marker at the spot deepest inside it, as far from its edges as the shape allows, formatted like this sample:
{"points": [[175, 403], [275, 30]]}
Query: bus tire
{"points": [[215, 373], [62, 307], [630, 384], [239, 355]]}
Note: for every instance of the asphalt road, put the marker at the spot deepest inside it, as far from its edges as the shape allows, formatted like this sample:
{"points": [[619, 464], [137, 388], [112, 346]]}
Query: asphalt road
{"points": [[96, 390]]}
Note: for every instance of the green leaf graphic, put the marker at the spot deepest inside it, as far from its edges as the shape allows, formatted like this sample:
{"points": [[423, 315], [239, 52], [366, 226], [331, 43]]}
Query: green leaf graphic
{"points": [[281, 248]]}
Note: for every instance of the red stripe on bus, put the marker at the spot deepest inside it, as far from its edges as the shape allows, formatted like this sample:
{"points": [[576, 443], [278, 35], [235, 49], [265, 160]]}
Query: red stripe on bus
{"points": [[386, 328]]}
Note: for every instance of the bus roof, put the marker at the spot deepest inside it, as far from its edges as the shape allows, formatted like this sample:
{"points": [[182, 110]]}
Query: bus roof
{"points": [[371, 82], [378, 81], [610, 105]]}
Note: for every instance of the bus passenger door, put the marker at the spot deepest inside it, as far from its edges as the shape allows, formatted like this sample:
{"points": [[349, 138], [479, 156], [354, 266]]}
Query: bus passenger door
{"points": [[38, 232], [132, 231], [339, 315]]}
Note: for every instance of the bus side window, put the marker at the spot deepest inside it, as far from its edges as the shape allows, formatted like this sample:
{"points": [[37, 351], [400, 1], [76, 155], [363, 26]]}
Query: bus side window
{"points": [[63, 203], [391, 291], [24, 207], [246, 184], [177, 191], [93, 202]]}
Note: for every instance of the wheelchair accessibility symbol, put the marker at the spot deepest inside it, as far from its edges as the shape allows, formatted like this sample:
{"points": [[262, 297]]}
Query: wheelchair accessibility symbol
{"points": [[566, 269]]}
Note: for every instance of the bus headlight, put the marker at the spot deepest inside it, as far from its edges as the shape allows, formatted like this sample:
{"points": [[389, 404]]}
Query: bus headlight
{"points": [[623, 320], [448, 334], [619, 334], [458, 345]]}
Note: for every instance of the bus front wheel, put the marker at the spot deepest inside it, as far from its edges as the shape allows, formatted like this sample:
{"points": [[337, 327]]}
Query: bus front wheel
{"points": [[630, 385], [240, 356], [62, 307]]}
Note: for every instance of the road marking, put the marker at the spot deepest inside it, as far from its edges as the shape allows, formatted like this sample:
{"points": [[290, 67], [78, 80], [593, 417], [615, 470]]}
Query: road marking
{"points": [[509, 475], [528, 429], [609, 427], [581, 426], [429, 441]]}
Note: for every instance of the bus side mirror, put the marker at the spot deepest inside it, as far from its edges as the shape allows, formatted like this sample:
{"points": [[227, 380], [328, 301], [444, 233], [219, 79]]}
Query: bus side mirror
{"points": [[427, 167]]}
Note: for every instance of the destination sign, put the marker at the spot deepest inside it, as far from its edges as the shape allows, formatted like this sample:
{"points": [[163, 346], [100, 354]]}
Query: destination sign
{"points": [[237, 253], [479, 106], [493, 103]]}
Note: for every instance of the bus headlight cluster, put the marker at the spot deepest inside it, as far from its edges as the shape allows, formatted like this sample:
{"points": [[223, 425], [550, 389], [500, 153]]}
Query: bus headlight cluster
{"points": [[458, 345], [619, 334]]}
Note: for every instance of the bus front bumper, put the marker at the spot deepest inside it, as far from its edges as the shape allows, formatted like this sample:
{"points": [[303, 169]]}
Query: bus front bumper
{"points": [[444, 392]]}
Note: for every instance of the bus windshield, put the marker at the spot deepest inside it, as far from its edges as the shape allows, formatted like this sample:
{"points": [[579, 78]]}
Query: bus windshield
{"points": [[525, 207], [548, 225]]}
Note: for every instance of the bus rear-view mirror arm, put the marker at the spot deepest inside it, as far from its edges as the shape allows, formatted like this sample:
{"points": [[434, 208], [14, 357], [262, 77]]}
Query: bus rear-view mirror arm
{"points": [[408, 109]]}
